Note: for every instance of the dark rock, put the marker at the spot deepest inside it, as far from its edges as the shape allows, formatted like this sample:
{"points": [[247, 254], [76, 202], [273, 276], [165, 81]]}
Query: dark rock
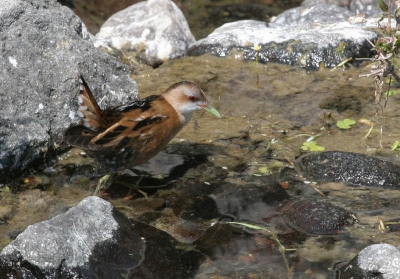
{"points": [[250, 201], [156, 30], [43, 48], [377, 261], [202, 207], [162, 164], [352, 168], [317, 217], [91, 239], [300, 36], [162, 257], [219, 234], [94, 240]]}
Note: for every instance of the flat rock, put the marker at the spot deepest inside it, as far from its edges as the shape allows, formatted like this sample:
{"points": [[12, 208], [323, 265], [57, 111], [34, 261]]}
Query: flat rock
{"points": [[44, 47], [317, 217], [351, 168], [302, 36], [155, 29]]}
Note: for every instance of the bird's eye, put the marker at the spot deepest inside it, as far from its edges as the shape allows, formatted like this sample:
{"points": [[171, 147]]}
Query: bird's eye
{"points": [[192, 98]]}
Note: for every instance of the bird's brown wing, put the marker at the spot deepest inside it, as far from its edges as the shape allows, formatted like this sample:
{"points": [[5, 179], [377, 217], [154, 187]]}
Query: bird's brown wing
{"points": [[140, 131], [89, 111]]}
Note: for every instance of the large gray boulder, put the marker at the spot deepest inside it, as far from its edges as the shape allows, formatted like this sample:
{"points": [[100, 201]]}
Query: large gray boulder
{"points": [[304, 36], [155, 29], [44, 47], [80, 242], [95, 240]]}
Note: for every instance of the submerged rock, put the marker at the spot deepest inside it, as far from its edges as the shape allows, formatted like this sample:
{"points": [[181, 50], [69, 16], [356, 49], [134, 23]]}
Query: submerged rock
{"points": [[351, 168], [317, 217], [303, 36], [377, 261], [156, 30], [252, 201], [94, 240], [43, 48]]}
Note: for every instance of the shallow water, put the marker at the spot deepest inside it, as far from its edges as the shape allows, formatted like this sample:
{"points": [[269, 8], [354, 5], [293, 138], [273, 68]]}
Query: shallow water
{"points": [[265, 108]]}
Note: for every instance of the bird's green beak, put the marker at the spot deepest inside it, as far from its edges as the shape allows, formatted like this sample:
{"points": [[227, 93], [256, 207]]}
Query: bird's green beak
{"points": [[212, 110]]}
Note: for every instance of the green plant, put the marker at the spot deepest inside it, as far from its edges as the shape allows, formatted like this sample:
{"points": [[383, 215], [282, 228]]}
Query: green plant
{"points": [[311, 146], [387, 48], [345, 123], [396, 146]]}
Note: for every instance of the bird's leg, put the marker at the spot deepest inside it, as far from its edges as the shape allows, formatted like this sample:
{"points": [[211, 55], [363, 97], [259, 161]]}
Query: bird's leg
{"points": [[104, 183], [136, 186]]}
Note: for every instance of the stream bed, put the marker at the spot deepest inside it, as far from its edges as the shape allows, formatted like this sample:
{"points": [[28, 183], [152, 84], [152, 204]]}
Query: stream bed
{"points": [[242, 168]]}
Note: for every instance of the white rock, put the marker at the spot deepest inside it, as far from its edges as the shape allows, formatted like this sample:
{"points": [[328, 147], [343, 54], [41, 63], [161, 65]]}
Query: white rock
{"points": [[158, 26]]}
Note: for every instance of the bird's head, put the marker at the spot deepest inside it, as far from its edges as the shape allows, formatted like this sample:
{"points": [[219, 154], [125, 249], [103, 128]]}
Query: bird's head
{"points": [[186, 97]]}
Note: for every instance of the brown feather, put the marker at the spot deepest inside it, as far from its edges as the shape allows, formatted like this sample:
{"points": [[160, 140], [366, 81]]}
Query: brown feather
{"points": [[129, 135], [88, 106]]}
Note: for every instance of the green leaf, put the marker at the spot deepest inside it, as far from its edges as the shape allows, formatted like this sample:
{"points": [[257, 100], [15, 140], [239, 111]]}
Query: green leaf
{"points": [[311, 146], [396, 146], [250, 226], [265, 170], [384, 47], [345, 123], [384, 7]]}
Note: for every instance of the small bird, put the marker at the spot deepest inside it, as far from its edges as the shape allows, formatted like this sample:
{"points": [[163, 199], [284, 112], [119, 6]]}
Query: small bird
{"points": [[128, 135]]}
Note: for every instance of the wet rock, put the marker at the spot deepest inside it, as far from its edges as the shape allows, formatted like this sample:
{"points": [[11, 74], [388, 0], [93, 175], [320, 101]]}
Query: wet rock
{"points": [[219, 235], [94, 240], [43, 48], [317, 217], [250, 201], [162, 164], [202, 207], [155, 29], [163, 258], [352, 168], [91, 239], [377, 261], [297, 37]]}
